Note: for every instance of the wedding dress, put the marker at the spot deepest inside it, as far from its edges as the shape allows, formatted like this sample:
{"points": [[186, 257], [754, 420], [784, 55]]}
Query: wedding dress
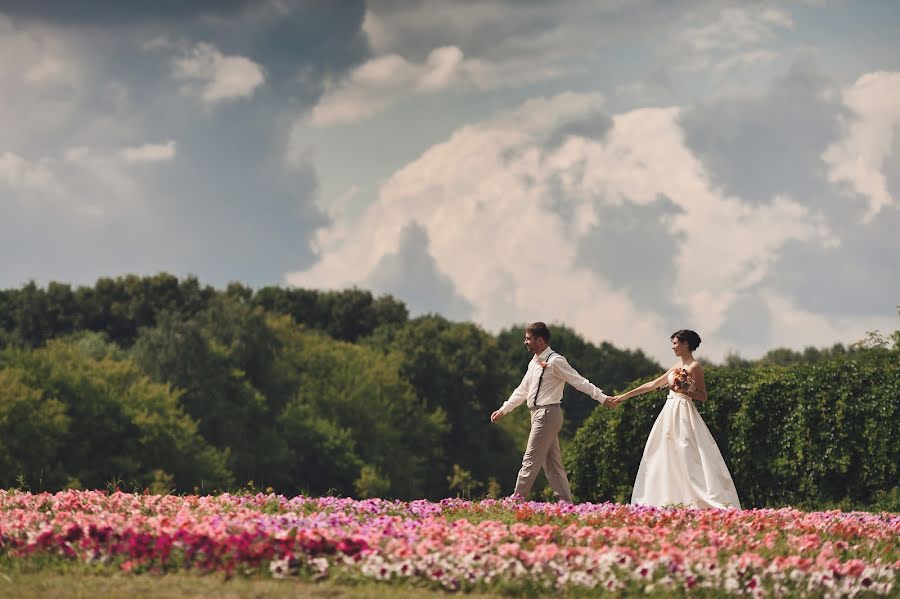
{"points": [[682, 463]]}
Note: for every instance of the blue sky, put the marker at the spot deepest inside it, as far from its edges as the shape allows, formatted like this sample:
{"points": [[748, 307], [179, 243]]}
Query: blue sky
{"points": [[627, 168]]}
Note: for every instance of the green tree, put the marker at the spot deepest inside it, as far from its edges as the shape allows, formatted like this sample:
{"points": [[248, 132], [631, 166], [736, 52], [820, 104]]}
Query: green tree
{"points": [[33, 429], [455, 368], [371, 484], [322, 455], [347, 314], [107, 421], [361, 390], [223, 362], [117, 307]]}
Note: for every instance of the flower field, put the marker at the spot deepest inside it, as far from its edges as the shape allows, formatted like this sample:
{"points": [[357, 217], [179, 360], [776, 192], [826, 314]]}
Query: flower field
{"points": [[455, 545]]}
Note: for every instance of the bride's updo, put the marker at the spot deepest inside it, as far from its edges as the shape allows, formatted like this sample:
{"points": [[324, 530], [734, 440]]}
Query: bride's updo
{"points": [[692, 338]]}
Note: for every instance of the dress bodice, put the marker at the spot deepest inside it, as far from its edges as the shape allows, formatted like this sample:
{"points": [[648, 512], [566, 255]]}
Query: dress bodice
{"points": [[682, 381]]}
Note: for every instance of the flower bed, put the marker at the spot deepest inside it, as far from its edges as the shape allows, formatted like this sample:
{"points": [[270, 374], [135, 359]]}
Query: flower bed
{"points": [[461, 545]]}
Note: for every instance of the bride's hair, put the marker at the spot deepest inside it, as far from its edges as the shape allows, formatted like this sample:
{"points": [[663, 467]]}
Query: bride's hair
{"points": [[692, 338]]}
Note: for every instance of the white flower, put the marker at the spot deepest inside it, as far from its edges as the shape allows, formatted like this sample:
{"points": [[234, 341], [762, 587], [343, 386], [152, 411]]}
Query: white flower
{"points": [[279, 568]]}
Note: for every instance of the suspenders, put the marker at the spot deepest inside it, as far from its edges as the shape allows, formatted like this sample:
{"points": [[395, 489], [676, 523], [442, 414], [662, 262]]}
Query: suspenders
{"points": [[541, 380]]}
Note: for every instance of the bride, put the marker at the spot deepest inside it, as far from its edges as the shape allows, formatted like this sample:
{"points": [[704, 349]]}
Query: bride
{"points": [[682, 463]]}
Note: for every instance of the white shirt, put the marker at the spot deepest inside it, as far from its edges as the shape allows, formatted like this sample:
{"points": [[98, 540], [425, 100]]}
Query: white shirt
{"points": [[556, 375]]}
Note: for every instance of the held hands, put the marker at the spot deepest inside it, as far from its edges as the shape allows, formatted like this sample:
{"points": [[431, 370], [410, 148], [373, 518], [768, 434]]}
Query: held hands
{"points": [[615, 401]]}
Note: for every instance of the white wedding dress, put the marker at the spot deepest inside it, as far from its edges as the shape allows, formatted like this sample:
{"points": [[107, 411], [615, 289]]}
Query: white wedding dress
{"points": [[682, 463]]}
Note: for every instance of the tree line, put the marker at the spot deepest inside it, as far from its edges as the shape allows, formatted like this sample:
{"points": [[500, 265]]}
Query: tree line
{"points": [[165, 383]]}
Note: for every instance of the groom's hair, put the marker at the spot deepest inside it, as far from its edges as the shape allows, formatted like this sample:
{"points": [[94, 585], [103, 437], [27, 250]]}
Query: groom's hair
{"points": [[539, 329]]}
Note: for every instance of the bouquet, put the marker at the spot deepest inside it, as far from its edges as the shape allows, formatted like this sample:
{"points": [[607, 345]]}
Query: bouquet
{"points": [[681, 381]]}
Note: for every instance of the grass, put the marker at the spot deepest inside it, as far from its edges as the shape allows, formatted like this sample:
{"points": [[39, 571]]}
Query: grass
{"points": [[77, 581], [42, 578], [91, 585], [84, 585]]}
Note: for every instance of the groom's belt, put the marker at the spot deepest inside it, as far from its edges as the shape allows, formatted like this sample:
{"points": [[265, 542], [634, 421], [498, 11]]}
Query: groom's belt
{"points": [[546, 405]]}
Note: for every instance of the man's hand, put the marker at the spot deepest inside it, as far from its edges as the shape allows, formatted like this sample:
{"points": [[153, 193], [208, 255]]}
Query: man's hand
{"points": [[497, 415]]}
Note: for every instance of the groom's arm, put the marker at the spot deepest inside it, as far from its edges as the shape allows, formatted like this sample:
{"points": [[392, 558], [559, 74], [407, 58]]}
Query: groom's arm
{"points": [[564, 370], [518, 396]]}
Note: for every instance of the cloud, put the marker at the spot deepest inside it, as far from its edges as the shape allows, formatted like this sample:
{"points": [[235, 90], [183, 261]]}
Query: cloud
{"points": [[149, 153], [736, 27], [758, 145], [215, 77], [83, 182], [792, 323], [380, 82], [428, 47], [500, 30], [412, 274], [95, 12], [642, 232], [27, 177], [712, 214], [432, 46], [856, 279], [858, 159], [43, 77], [746, 327], [84, 105], [731, 37], [509, 215], [769, 141]]}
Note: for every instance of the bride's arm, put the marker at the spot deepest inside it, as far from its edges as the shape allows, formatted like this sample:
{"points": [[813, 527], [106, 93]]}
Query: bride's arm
{"points": [[662, 381], [699, 393]]}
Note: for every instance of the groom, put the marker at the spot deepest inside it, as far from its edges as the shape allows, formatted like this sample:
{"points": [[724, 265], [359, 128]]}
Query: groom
{"points": [[542, 390]]}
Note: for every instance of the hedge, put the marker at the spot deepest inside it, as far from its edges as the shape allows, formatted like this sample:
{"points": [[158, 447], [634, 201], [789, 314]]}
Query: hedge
{"points": [[821, 434]]}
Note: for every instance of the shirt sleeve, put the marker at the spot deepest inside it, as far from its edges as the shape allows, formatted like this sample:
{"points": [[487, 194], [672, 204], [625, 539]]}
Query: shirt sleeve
{"points": [[564, 370], [519, 395]]}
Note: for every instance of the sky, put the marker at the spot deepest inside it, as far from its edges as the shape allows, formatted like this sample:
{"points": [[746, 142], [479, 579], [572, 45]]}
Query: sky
{"points": [[627, 168]]}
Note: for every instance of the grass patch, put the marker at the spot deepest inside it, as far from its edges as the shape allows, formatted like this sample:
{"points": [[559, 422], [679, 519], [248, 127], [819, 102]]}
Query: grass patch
{"points": [[184, 585]]}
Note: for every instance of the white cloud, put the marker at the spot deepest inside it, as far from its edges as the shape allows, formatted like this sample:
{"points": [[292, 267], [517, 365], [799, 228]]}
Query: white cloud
{"points": [[26, 177], [541, 33], [737, 27], [438, 46], [644, 158], [731, 38], [35, 56], [149, 153], [83, 181], [382, 81], [858, 159], [213, 76], [97, 183], [43, 77], [485, 199], [746, 58], [434, 46], [794, 327]]}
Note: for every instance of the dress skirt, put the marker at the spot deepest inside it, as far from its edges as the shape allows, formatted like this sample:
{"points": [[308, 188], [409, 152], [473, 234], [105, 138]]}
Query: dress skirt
{"points": [[682, 464]]}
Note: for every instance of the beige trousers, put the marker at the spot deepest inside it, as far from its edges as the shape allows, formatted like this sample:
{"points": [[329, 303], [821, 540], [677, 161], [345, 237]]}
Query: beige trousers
{"points": [[543, 452]]}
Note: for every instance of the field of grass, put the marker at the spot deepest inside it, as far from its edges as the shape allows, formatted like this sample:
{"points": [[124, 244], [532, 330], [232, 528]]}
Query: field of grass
{"points": [[82, 584]]}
